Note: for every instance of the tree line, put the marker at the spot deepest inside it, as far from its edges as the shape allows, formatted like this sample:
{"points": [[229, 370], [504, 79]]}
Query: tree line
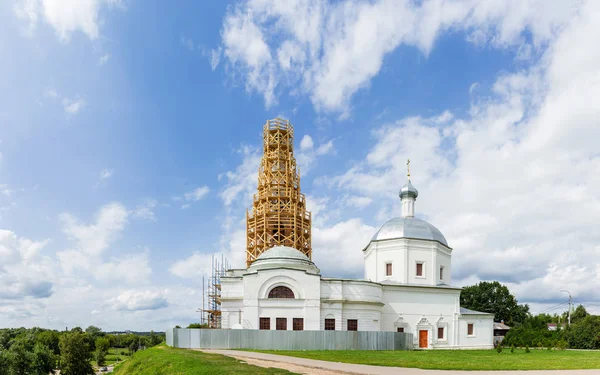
{"points": [[528, 330], [38, 351]]}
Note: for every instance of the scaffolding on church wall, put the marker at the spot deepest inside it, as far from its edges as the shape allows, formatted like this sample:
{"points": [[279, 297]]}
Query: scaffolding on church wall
{"points": [[278, 216], [211, 314]]}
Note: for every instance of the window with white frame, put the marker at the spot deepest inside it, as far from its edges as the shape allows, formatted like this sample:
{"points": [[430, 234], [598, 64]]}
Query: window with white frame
{"points": [[388, 269], [470, 329], [420, 270]]}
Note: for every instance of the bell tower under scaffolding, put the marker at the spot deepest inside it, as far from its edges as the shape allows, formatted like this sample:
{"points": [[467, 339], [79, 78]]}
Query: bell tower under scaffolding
{"points": [[278, 215]]}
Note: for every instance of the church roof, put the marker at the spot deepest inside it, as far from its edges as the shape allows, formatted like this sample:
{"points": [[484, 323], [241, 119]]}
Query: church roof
{"points": [[408, 190], [283, 257], [465, 311], [409, 227]]}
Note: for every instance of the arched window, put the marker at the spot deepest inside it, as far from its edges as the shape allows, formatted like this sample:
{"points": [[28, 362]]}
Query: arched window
{"points": [[281, 292]]}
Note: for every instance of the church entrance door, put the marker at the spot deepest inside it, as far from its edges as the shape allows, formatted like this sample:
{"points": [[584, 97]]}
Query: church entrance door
{"points": [[422, 338]]}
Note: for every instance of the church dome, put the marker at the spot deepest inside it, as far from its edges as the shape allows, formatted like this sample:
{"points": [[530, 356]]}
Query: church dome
{"points": [[409, 227], [283, 257], [408, 190]]}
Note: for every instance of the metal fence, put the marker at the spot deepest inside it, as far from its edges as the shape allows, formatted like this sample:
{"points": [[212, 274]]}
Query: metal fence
{"points": [[287, 340]]}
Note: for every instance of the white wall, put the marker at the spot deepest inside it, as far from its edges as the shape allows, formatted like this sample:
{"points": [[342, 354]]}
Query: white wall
{"points": [[415, 308], [306, 304], [351, 299], [404, 254], [483, 333]]}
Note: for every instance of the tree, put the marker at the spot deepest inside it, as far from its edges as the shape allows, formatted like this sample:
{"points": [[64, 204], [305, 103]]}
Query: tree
{"points": [[44, 359], [579, 314], [75, 354], [132, 347], [495, 298], [102, 346], [585, 334], [100, 356], [19, 358], [50, 339], [154, 339]]}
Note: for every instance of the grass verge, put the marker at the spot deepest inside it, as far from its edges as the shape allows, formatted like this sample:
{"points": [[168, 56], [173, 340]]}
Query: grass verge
{"points": [[163, 360], [460, 359]]}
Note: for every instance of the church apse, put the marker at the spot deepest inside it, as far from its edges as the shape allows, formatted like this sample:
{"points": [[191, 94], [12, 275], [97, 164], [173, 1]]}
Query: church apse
{"points": [[278, 216]]}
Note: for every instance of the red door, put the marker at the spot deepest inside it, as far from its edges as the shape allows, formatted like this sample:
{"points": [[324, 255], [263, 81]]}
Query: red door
{"points": [[422, 339]]}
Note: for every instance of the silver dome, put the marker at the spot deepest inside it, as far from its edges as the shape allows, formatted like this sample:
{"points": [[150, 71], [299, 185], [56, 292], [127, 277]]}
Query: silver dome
{"points": [[283, 257], [408, 190], [409, 227]]}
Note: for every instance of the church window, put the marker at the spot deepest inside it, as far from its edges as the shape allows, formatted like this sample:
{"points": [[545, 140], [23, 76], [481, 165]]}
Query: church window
{"points": [[265, 323], [442, 273], [470, 329], [388, 269], [440, 333], [281, 292], [401, 329], [419, 269], [281, 324], [298, 324], [329, 324], [352, 325]]}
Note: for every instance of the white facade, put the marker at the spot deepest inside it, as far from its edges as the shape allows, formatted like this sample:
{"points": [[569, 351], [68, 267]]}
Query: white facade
{"points": [[406, 287]]}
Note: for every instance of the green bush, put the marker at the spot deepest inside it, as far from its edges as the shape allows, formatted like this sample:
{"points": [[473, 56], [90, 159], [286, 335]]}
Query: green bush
{"points": [[527, 349], [561, 345], [512, 348], [499, 348]]}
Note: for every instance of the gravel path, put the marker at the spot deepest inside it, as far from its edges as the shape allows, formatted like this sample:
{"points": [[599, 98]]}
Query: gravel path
{"points": [[312, 366]]}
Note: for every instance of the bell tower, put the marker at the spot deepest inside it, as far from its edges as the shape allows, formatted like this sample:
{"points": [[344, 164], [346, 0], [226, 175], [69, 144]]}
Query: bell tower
{"points": [[278, 216]]}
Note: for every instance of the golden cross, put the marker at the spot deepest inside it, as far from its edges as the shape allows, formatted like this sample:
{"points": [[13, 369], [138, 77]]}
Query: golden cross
{"points": [[408, 168]]}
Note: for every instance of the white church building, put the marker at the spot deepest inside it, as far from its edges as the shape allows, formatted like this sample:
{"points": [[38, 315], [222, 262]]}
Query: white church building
{"points": [[406, 288]]}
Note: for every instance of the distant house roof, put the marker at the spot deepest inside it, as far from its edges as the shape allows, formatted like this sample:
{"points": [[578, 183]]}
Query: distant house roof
{"points": [[464, 311], [500, 326]]}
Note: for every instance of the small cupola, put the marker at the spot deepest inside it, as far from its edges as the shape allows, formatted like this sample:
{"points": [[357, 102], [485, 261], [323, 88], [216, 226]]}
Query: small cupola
{"points": [[408, 194]]}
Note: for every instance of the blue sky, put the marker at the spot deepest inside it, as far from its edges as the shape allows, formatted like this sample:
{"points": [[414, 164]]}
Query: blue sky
{"points": [[130, 135]]}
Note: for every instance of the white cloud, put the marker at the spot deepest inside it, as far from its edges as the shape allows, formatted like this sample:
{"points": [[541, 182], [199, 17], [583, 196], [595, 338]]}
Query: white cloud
{"points": [[215, 57], [308, 153], [106, 173], [306, 143], [195, 266], [510, 184], [243, 181], [359, 202], [332, 50], [145, 210], [196, 194], [134, 300], [50, 93], [341, 244], [187, 43], [4, 189], [130, 268], [23, 271], [71, 106], [65, 16], [104, 59], [94, 238]]}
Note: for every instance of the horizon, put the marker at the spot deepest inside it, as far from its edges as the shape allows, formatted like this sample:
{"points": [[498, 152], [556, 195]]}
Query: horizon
{"points": [[131, 135]]}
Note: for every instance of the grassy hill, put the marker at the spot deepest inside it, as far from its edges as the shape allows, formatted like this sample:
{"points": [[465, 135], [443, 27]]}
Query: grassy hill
{"points": [[163, 360], [461, 359]]}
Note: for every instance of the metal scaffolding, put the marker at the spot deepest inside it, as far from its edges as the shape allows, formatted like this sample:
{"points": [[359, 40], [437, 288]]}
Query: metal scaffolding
{"points": [[211, 314], [278, 215]]}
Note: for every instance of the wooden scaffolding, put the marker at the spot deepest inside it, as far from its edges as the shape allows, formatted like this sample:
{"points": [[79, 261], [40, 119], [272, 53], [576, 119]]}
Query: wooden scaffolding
{"points": [[278, 215]]}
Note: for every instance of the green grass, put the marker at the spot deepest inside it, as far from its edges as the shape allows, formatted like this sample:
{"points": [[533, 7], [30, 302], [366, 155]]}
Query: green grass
{"points": [[112, 356], [163, 360], [460, 359]]}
